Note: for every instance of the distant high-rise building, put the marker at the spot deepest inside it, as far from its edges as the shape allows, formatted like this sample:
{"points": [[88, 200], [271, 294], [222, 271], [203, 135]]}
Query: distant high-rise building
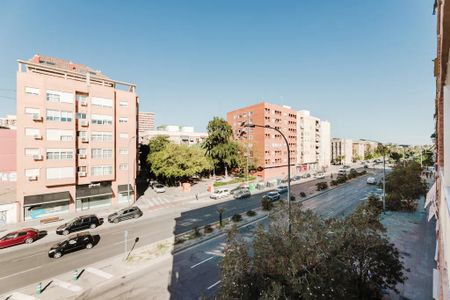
{"points": [[76, 138], [146, 121], [8, 122]]}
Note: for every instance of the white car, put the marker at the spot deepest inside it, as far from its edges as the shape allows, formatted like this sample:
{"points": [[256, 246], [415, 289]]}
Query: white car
{"points": [[371, 180], [159, 188], [320, 175], [220, 194]]}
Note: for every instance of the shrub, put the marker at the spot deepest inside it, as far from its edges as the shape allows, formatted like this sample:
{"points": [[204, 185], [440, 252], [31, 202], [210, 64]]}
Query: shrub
{"points": [[236, 218], [293, 198], [302, 194], [208, 229], [322, 185], [266, 204], [353, 173], [251, 213], [179, 241], [364, 172], [196, 232], [333, 182]]}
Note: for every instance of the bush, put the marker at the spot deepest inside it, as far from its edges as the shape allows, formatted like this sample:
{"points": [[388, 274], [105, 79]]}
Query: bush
{"points": [[341, 179], [353, 173], [364, 172], [333, 182], [322, 185], [266, 204], [208, 229], [302, 194], [251, 213], [236, 218], [196, 232], [293, 198]]}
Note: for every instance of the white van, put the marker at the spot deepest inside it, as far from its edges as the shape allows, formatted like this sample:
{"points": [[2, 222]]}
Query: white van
{"points": [[220, 193]]}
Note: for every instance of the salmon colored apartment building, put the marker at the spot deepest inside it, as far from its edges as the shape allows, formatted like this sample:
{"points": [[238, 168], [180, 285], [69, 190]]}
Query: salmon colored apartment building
{"points": [[267, 145], [76, 138]]}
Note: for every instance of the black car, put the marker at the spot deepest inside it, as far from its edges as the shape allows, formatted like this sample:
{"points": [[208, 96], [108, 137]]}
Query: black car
{"points": [[241, 194], [83, 240], [80, 223], [124, 214]]}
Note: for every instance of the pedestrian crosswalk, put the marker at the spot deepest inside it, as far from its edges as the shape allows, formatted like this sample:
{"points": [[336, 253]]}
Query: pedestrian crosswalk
{"points": [[158, 201]]}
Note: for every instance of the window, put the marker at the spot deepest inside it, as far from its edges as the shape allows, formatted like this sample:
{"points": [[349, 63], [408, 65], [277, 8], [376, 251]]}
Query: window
{"points": [[107, 153], [32, 111], [81, 98], [96, 153], [124, 135], [101, 136], [31, 131], [56, 115], [31, 91], [123, 151], [123, 120], [66, 116], [82, 169], [82, 134], [101, 170], [31, 172], [59, 135], [32, 151], [101, 119], [82, 151], [123, 167], [101, 102], [123, 103], [59, 154], [61, 97], [81, 116], [60, 173]]}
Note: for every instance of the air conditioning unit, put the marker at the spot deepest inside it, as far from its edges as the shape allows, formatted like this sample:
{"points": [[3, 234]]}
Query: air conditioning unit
{"points": [[32, 178], [81, 155], [37, 137], [38, 157], [83, 102], [81, 174], [85, 139], [84, 123], [37, 117]]}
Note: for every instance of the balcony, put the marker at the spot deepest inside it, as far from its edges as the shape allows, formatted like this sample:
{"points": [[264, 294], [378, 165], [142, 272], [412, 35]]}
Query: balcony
{"points": [[85, 139], [38, 157], [84, 123], [83, 102], [81, 156], [32, 178], [37, 118], [37, 137]]}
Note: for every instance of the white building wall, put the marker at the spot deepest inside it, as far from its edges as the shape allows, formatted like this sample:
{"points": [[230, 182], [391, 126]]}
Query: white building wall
{"points": [[325, 144], [8, 210], [348, 151]]}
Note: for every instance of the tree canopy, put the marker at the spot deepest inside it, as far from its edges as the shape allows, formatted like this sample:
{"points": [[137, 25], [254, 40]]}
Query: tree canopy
{"points": [[348, 258]]}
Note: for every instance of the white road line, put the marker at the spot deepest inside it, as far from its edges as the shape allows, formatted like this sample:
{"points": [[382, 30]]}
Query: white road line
{"points": [[68, 286], [21, 272], [20, 296], [99, 272], [213, 285], [202, 262]]}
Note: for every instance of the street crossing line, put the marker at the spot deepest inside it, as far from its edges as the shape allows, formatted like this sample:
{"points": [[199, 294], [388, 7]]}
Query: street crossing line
{"points": [[203, 261], [213, 285], [68, 286], [99, 273]]}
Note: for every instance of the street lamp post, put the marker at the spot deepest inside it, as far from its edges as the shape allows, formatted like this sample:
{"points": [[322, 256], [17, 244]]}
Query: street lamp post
{"points": [[288, 164]]}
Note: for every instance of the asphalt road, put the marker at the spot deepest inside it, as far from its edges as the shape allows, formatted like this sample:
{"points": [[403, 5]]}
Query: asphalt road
{"points": [[28, 264]]}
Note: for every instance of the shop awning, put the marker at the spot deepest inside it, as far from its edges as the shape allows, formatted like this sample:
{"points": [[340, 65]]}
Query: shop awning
{"points": [[431, 212], [93, 191], [431, 195], [123, 188], [46, 198]]}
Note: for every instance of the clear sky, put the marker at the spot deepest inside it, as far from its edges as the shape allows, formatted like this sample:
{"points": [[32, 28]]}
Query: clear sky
{"points": [[366, 66]]}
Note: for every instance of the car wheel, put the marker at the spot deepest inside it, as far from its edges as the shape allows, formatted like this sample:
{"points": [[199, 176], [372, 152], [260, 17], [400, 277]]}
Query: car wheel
{"points": [[136, 216], [93, 226], [116, 221], [89, 246], [29, 241], [57, 255], [66, 232]]}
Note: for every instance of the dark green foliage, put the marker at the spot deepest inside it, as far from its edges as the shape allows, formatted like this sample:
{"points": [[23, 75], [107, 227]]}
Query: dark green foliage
{"points": [[208, 229], [334, 182], [236, 218], [395, 156], [251, 213], [323, 185], [352, 174], [196, 232], [293, 198], [266, 204], [302, 194]]}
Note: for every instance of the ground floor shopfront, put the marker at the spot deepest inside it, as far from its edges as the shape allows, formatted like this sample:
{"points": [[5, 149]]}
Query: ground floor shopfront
{"points": [[83, 198]]}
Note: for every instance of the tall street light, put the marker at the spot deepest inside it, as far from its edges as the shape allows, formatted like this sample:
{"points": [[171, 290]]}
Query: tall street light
{"points": [[243, 124]]}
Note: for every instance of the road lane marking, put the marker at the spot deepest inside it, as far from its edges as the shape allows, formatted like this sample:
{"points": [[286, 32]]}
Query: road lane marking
{"points": [[99, 272], [20, 296], [213, 285], [68, 286], [21, 272], [203, 261]]}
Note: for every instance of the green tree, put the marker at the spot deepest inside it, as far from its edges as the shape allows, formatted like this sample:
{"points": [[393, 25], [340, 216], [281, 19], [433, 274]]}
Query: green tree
{"points": [[158, 143], [395, 156], [348, 258], [241, 159], [219, 145], [179, 163]]}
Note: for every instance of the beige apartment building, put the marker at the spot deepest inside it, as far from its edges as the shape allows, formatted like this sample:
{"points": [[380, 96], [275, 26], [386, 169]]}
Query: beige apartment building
{"points": [[267, 145], [325, 145], [146, 121], [341, 151], [359, 149], [182, 135], [76, 138]]}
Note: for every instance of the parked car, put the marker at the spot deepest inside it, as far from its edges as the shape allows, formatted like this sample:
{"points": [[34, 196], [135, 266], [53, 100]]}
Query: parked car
{"points": [[282, 189], [307, 175], [272, 196], [221, 193], [239, 189], [319, 175], [241, 194], [159, 188], [80, 223], [371, 180], [23, 236], [75, 242], [125, 214]]}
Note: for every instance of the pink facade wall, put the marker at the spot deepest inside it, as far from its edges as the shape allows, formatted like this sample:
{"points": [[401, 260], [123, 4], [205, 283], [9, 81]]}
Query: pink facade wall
{"points": [[7, 150]]}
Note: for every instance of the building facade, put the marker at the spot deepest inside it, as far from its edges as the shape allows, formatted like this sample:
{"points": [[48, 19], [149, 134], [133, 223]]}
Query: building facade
{"points": [[182, 135], [359, 149], [266, 145], [76, 138], [8, 155], [341, 151], [325, 145], [8, 122], [146, 121]]}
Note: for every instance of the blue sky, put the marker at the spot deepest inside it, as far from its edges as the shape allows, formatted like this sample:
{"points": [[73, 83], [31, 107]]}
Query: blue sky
{"points": [[366, 66]]}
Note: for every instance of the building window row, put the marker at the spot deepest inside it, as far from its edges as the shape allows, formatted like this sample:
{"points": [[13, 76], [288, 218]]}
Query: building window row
{"points": [[123, 167], [59, 135], [59, 97], [123, 120], [59, 115], [101, 170], [101, 153], [101, 102], [59, 154], [101, 136], [101, 119], [32, 91]]}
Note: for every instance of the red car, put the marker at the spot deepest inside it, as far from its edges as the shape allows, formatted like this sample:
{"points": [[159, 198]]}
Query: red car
{"points": [[23, 236]]}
